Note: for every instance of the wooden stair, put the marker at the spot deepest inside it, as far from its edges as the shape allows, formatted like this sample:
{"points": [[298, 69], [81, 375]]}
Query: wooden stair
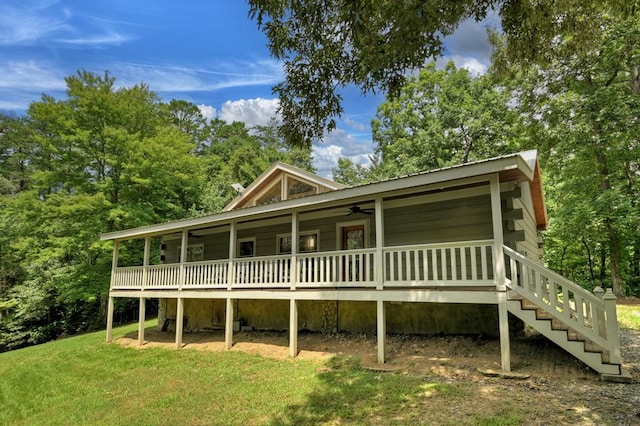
{"points": [[567, 338]]}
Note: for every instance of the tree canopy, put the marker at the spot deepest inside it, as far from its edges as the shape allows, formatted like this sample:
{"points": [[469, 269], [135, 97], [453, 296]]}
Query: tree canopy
{"points": [[328, 45]]}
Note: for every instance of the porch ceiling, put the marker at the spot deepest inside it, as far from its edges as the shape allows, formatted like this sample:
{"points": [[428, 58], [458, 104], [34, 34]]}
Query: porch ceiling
{"points": [[510, 168]]}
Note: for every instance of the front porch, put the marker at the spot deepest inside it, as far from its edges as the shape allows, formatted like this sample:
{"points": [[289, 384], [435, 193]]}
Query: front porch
{"points": [[464, 264]]}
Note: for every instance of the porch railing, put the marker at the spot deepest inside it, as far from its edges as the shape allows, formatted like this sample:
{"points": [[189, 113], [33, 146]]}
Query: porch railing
{"points": [[450, 264], [592, 315], [337, 269], [465, 263]]}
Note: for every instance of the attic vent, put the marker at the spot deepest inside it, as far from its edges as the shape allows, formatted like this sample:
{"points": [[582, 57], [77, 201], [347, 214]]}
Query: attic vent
{"points": [[239, 188]]}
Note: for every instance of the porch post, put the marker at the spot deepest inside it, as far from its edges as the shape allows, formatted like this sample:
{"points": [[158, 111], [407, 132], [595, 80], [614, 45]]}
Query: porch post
{"points": [[228, 325], [498, 237], [114, 261], [379, 256], [184, 246], [179, 322], [141, 315], [382, 330], [294, 250], [110, 319], [232, 254], [145, 262], [293, 328], [499, 271]]}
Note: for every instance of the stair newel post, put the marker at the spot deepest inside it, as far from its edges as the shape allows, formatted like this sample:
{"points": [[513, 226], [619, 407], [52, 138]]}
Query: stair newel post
{"points": [[599, 314], [612, 327]]}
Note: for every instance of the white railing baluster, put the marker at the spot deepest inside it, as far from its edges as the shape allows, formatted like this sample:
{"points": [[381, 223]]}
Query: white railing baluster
{"points": [[583, 311]]}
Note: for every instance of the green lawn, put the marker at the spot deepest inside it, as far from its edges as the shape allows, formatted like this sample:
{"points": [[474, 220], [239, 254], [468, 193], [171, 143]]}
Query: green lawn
{"points": [[629, 316], [82, 380]]}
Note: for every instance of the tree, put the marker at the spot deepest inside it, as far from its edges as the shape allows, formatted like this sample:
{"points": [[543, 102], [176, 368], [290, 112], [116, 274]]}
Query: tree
{"points": [[328, 45], [105, 158], [441, 118], [582, 104]]}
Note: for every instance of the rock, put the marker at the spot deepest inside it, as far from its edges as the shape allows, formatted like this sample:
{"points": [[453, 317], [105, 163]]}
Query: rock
{"points": [[504, 374]]}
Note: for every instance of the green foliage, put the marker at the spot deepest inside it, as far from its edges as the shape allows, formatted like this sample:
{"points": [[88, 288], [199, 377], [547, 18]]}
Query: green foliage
{"points": [[106, 158], [581, 107], [440, 118], [376, 44]]}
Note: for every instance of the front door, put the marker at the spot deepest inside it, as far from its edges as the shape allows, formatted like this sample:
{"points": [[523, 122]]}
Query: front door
{"points": [[353, 265]]}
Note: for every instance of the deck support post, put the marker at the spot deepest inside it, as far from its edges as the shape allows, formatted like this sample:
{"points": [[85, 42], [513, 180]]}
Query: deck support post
{"points": [[228, 325], [110, 319], [179, 322], [382, 330], [503, 317], [379, 255], [114, 266], [141, 318], [293, 328]]}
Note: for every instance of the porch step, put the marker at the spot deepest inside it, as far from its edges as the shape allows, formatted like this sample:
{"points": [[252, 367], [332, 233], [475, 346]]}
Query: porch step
{"points": [[565, 337]]}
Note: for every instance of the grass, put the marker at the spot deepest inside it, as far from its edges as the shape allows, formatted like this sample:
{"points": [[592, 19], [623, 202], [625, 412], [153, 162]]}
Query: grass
{"points": [[82, 380], [629, 316]]}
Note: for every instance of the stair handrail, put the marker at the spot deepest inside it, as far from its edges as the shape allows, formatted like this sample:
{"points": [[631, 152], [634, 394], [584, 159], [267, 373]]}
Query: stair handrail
{"points": [[604, 327]]}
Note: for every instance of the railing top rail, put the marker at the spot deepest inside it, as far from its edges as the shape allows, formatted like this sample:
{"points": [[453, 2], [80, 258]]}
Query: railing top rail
{"points": [[335, 252], [557, 277], [129, 268], [456, 244], [259, 258], [206, 262]]}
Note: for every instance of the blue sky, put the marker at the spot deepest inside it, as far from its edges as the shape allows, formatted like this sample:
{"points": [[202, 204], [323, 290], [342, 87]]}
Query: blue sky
{"points": [[203, 51]]}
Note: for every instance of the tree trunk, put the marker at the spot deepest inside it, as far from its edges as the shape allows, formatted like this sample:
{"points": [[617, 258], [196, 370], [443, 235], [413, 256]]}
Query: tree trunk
{"points": [[611, 232]]}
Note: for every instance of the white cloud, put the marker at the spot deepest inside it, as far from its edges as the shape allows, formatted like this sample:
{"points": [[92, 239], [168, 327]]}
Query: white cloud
{"points": [[109, 37], [338, 144], [474, 66], [28, 22], [31, 76], [252, 112], [208, 111], [206, 78], [355, 124], [325, 158], [468, 47]]}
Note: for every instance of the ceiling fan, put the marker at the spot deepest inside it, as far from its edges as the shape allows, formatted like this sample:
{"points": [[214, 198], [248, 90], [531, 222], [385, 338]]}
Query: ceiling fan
{"points": [[355, 209]]}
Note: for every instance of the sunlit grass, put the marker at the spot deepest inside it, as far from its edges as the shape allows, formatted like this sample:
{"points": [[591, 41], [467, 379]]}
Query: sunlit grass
{"points": [[82, 380], [629, 316]]}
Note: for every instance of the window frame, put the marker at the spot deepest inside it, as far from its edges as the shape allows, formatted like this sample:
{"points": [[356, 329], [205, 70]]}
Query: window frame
{"points": [[245, 240], [301, 234]]}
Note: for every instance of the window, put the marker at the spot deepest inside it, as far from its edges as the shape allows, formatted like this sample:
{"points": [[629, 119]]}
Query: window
{"points": [[272, 195], [195, 253], [247, 247], [307, 242], [299, 189]]}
